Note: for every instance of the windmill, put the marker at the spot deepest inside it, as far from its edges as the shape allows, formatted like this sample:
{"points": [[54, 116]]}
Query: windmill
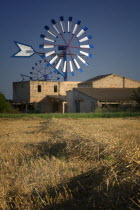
{"points": [[65, 47], [40, 72]]}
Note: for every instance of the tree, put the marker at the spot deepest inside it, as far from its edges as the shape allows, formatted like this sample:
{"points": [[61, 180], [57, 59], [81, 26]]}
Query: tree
{"points": [[4, 104], [136, 95]]}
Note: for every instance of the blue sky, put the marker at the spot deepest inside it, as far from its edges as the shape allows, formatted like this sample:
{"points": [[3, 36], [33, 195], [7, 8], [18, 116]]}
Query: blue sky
{"points": [[114, 25]]}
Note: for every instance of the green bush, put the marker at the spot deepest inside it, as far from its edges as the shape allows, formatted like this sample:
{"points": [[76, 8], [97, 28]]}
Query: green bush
{"points": [[5, 106], [136, 96]]}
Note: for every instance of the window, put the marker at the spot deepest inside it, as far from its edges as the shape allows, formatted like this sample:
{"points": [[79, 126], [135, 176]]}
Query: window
{"points": [[55, 88], [39, 88]]}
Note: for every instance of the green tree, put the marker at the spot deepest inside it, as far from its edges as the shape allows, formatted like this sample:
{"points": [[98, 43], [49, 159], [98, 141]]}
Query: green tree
{"points": [[4, 104], [136, 95]]}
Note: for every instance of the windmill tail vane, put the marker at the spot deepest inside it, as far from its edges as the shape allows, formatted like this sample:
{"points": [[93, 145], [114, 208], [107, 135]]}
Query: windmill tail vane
{"points": [[24, 50]]}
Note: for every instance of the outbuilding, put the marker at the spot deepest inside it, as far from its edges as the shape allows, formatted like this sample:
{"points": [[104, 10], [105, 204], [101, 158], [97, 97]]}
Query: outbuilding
{"points": [[89, 99]]}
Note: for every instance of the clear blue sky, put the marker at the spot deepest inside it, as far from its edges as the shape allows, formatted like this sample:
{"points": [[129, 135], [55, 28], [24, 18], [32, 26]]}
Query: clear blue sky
{"points": [[114, 24]]}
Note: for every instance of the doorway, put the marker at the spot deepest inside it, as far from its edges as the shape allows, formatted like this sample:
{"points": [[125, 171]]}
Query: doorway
{"points": [[55, 107], [77, 106]]}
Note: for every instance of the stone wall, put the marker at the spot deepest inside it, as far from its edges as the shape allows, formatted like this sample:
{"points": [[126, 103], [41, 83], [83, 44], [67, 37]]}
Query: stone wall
{"points": [[21, 92], [36, 91], [131, 83], [85, 84], [86, 103], [66, 86], [49, 88], [115, 81], [112, 81]]}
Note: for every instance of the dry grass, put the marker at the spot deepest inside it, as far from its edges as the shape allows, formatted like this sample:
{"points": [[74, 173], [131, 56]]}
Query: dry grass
{"points": [[70, 163]]}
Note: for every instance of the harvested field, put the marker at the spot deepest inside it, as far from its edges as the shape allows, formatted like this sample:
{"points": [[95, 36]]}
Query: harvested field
{"points": [[70, 163]]}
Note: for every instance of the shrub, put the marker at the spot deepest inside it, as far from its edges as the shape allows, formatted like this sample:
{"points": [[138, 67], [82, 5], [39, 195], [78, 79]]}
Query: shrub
{"points": [[5, 106], [136, 95]]}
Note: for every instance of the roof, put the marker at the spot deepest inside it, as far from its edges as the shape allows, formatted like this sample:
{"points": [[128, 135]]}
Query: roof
{"points": [[103, 76], [108, 94], [97, 78], [57, 97]]}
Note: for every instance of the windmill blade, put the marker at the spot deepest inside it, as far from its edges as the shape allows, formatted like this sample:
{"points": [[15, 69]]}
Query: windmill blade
{"points": [[64, 69], [55, 26], [57, 66], [82, 31], [77, 65], [50, 31], [76, 27], [48, 54], [42, 36], [86, 46], [69, 24], [24, 50], [86, 54], [86, 38], [52, 61], [46, 46], [81, 59], [71, 68], [62, 24]]}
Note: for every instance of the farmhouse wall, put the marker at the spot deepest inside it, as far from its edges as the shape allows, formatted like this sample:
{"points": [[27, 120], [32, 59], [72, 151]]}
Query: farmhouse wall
{"points": [[86, 103], [131, 83], [86, 84], [115, 81], [21, 92], [66, 86], [47, 106], [29, 92], [47, 88], [110, 81]]}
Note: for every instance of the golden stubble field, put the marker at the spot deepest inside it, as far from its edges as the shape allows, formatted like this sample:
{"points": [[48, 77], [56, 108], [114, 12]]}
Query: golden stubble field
{"points": [[70, 163]]}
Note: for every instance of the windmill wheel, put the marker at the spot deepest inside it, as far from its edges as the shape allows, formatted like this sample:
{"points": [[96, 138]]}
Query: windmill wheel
{"points": [[41, 72], [66, 45]]}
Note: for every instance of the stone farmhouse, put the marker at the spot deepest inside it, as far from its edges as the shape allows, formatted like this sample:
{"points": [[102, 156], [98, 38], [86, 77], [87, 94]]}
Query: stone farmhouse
{"points": [[66, 96], [42, 96]]}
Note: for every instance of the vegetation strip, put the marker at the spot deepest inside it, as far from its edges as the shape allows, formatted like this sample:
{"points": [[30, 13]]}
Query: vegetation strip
{"points": [[75, 115]]}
